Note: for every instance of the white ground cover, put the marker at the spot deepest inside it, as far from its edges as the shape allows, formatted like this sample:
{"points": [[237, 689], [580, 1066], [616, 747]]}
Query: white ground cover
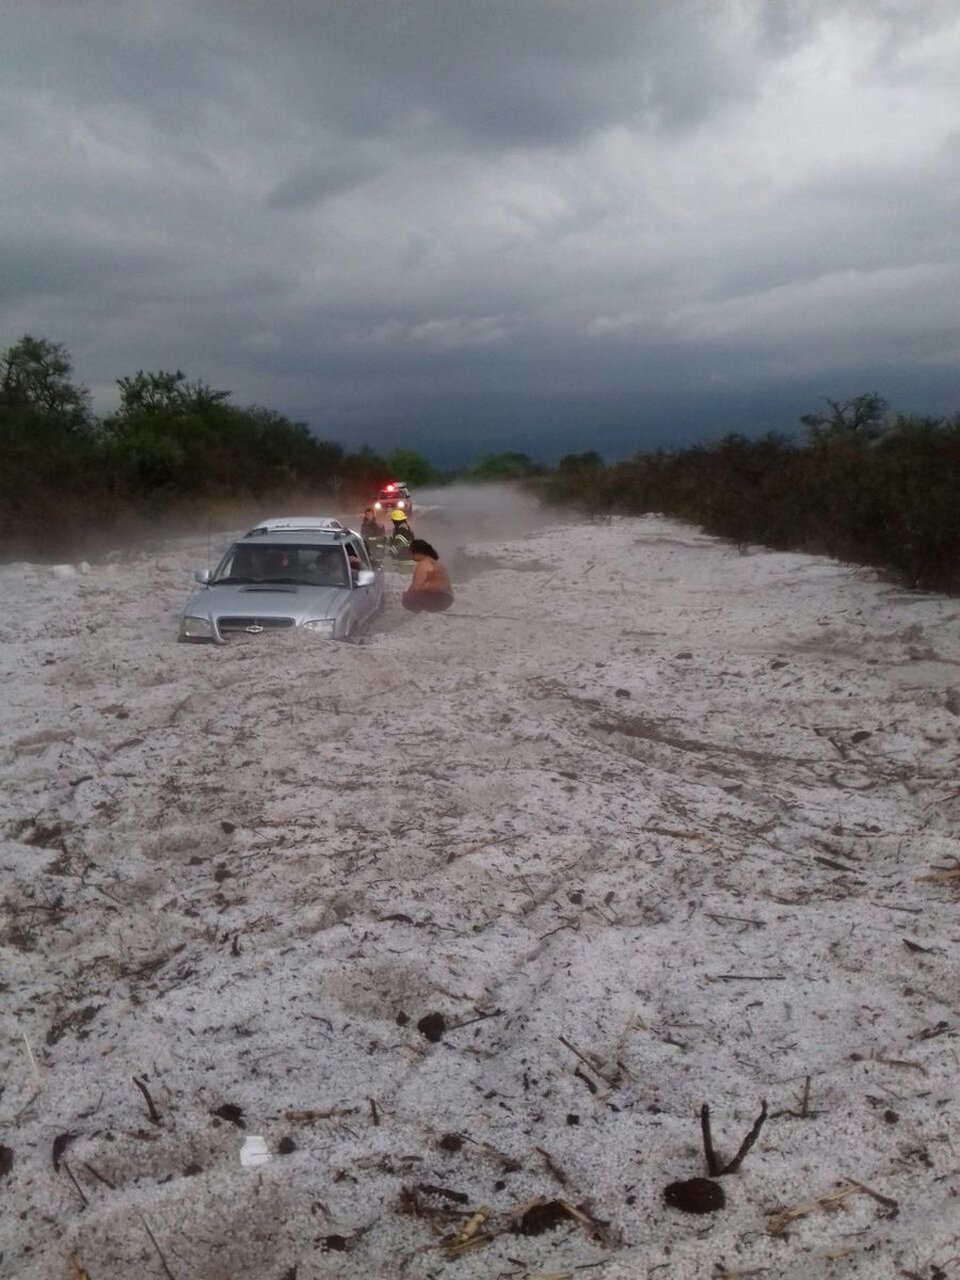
{"points": [[649, 823]]}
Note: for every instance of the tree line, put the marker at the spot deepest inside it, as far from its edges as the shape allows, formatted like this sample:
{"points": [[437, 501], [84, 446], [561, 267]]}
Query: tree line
{"points": [[862, 484], [175, 455], [173, 451]]}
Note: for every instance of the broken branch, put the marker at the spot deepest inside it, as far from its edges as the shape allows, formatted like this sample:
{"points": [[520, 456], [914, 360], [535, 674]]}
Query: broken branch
{"points": [[805, 1100], [553, 1167], [886, 1201], [900, 1062], [153, 1240], [748, 1141], [713, 1165], [69, 1171], [152, 1111]]}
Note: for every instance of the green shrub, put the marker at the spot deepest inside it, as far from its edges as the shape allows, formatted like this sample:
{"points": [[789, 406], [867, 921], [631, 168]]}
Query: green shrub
{"points": [[863, 488]]}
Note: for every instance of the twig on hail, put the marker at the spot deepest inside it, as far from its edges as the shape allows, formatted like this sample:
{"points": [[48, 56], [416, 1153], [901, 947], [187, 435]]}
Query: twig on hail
{"points": [[714, 1167]]}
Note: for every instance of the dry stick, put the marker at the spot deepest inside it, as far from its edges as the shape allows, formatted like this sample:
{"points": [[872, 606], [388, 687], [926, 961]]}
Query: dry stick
{"points": [[941, 873], [780, 1221], [713, 915], [86, 1202], [509, 1164], [494, 1013], [309, 1117], [880, 1199], [578, 1075], [100, 1177], [624, 1070], [33, 1062], [38, 1086], [713, 1164], [586, 1061], [572, 923], [805, 1100], [151, 1109], [899, 1062], [177, 709], [153, 1241], [374, 1114], [749, 977], [553, 1167], [748, 1141]]}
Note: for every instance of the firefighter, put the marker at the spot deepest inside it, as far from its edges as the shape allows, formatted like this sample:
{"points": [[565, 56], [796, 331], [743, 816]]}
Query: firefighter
{"points": [[401, 535], [371, 527], [373, 534]]}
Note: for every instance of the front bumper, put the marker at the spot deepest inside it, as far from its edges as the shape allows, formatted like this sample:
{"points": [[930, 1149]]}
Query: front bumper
{"points": [[198, 630]]}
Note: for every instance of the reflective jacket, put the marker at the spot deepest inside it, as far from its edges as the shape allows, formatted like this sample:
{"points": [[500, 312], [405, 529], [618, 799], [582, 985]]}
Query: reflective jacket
{"points": [[399, 545]]}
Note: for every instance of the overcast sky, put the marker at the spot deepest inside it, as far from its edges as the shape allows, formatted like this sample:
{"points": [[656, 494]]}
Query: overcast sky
{"points": [[470, 224]]}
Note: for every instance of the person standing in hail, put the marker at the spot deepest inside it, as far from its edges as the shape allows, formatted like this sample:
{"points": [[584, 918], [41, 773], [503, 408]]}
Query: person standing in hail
{"points": [[401, 536]]}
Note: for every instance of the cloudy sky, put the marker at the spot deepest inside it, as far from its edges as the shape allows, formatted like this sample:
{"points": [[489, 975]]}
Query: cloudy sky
{"points": [[472, 224]]}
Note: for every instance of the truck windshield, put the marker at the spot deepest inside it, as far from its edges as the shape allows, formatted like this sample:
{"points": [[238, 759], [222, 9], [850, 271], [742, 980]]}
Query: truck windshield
{"points": [[292, 564]]}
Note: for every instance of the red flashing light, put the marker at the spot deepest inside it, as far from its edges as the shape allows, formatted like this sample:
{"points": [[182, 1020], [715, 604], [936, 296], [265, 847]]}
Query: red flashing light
{"points": [[390, 488]]}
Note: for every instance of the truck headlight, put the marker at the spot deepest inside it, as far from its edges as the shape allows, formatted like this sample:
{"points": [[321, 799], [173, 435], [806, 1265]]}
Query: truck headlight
{"points": [[320, 626], [196, 628]]}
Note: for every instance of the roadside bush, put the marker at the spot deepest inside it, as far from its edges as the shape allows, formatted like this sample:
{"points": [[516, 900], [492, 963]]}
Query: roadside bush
{"points": [[885, 494], [174, 453]]}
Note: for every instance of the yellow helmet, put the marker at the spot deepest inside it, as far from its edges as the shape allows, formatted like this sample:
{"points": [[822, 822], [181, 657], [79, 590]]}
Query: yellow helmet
{"points": [[398, 516]]}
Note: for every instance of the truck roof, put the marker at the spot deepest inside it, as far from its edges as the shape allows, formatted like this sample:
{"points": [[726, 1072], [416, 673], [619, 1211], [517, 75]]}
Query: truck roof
{"points": [[289, 524]]}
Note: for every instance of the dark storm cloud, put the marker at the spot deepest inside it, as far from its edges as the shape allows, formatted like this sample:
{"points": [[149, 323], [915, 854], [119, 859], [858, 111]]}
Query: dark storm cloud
{"points": [[547, 72], [109, 55], [389, 215], [498, 73], [32, 265], [313, 185], [879, 221]]}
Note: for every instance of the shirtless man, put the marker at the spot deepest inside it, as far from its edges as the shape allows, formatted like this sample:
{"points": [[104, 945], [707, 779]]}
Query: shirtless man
{"points": [[431, 590]]}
